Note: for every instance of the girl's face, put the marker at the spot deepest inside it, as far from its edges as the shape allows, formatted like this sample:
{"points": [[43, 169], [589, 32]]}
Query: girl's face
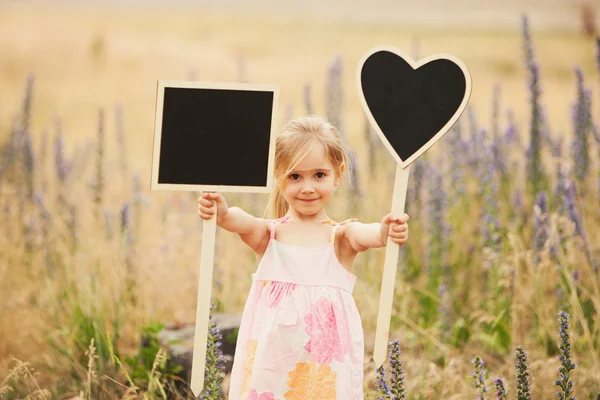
{"points": [[309, 186]]}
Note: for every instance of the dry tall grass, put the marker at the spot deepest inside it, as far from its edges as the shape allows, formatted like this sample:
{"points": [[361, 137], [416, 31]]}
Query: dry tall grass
{"points": [[68, 263]]}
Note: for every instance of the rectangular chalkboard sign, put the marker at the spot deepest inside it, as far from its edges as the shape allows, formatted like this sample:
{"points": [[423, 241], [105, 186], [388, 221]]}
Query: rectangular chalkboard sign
{"points": [[214, 136]]}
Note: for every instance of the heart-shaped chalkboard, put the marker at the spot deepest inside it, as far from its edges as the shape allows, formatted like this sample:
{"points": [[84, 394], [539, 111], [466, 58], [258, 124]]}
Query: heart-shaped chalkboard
{"points": [[411, 104]]}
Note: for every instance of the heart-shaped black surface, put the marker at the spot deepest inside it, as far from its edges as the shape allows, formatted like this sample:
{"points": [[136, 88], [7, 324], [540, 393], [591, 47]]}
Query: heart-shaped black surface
{"points": [[412, 106]]}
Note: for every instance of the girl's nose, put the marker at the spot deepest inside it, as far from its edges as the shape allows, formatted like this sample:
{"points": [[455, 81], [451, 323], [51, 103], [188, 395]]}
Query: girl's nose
{"points": [[307, 188]]}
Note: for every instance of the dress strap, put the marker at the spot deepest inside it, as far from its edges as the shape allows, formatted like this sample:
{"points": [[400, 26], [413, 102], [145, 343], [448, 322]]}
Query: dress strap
{"points": [[272, 223], [272, 229], [332, 237], [335, 226]]}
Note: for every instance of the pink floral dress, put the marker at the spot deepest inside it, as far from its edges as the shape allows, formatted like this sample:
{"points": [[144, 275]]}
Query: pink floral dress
{"points": [[301, 335]]}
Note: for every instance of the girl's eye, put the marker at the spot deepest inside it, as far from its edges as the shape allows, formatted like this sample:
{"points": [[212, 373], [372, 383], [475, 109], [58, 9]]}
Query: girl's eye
{"points": [[321, 175], [295, 176]]}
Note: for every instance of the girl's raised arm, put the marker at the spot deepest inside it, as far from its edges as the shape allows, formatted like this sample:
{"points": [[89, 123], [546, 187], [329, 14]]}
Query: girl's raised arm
{"points": [[366, 236], [253, 231]]}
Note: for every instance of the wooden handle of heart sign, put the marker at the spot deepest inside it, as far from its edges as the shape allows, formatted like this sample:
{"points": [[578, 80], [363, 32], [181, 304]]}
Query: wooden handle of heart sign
{"points": [[388, 280], [205, 279]]}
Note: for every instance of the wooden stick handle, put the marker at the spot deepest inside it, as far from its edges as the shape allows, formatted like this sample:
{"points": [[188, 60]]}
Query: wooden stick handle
{"points": [[203, 304], [388, 280]]}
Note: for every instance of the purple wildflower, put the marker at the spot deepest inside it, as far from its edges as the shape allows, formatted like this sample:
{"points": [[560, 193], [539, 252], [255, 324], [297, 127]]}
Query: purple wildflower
{"points": [[126, 228], [489, 190], [375, 146], [335, 94], [99, 183], [523, 374], [476, 136], [43, 159], [28, 164], [45, 214], [355, 190], [512, 135], [72, 224], [496, 110], [559, 189], [498, 145], [598, 53], [445, 311], [383, 389], [565, 383], [438, 228], [566, 188], [517, 199], [500, 389], [121, 139], [61, 165], [454, 141], [26, 110], [415, 183], [596, 136], [545, 133], [397, 389], [540, 226], [535, 171], [570, 207], [557, 147], [479, 375], [582, 121], [214, 372]]}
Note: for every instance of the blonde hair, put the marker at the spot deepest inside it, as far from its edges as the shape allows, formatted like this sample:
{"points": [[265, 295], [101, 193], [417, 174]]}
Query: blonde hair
{"points": [[296, 140]]}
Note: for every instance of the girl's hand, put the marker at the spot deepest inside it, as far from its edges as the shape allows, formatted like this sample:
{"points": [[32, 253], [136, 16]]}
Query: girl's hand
{"points": [[396, 228], [211, 202]]}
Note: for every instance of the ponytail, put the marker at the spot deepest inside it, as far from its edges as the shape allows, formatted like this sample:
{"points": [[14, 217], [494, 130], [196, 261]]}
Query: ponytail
{"points": [[279, 207]]}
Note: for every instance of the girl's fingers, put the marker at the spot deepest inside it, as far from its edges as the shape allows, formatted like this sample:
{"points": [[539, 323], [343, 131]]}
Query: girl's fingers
{"points": [[396, 220], [400, 235], [206, 203], [212, 196]]}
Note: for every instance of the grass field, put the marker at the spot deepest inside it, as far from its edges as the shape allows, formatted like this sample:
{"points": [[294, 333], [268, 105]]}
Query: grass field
{"points": [[85, 58]]}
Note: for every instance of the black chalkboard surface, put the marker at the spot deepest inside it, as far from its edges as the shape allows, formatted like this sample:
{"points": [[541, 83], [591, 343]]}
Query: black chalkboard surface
{"points": [[412, 104], [214, 137]]}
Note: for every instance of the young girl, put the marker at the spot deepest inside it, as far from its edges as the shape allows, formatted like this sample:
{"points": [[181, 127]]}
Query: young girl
{"points": [[301, 334]]}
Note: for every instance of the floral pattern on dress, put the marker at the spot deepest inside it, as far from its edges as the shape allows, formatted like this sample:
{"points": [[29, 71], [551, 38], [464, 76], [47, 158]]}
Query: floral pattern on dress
{"points": [[253, 395], [310, 381], [250, 354], [327, 328], [278, 291]]}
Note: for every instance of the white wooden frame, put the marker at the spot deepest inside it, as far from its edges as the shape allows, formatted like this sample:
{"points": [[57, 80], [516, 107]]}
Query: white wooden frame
{"points": [[205, 278], [388, 280], [160, 92], [415, 65]]}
